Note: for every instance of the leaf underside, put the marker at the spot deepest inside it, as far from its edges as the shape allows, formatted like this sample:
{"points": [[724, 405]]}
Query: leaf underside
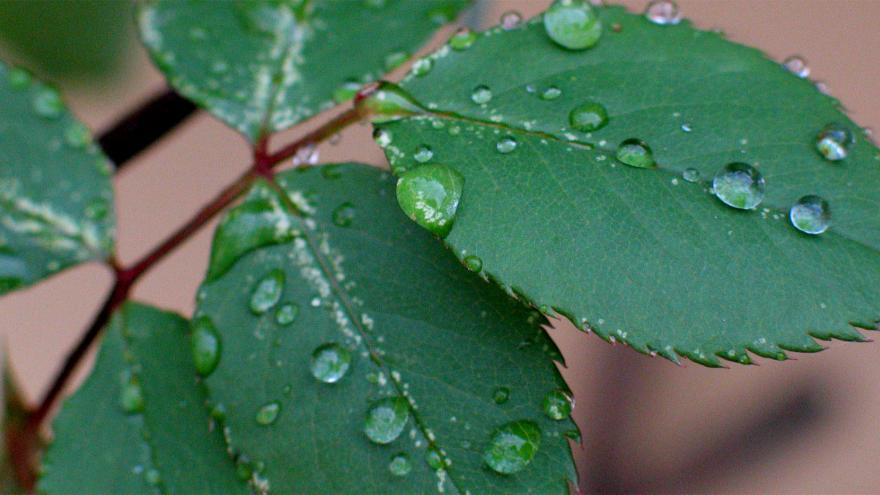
{"points": [[642, 256], [55, 196], [415, 322], [262, 66]]}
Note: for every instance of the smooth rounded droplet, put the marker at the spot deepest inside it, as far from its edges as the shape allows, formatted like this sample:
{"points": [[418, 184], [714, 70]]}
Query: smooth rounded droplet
{"points": [[797, 65], [635, 153], [330, 362], [834, 142], [512, 447], [663, 12], [47, 103], [551, 93], [423, 154], [400, 465], [739, 185], [429, 195], [434, 459], [572, 24], [77, 135], [811, 215], [501, 395], [463, 39], [422, 66], [343, 215], [267, 293], [691, 175], [588, 116], [481, 94], [473, 263], [132, 397], [557, 405], [386, 419], [286, 314], [506, 145], [206, 346], [268, 413], [395, 60], [510, 20], [382, 137]]}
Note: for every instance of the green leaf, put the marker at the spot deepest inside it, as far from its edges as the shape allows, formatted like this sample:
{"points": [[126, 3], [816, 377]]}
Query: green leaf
{"points": [[324, 334], [139, 423], [641, 255], [56, 203], [264, 65]]}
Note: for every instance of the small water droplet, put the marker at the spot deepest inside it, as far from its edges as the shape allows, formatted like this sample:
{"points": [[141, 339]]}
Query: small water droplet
{"points": [[663, 12], [330, 362], [557, 405], [267, 293], [834, 142], [206, 346], [132, 397], [47, 103], [286, 314], [423, 154], [501, 395], [691, 175], [395, 60], [422, 66], [463, 39], [551, 93], [797, 65], [473, 263], [386, 419], [481, 94], [18, 78], [343, 215], [153, 477], [811, 215], [506, 145], [429, 195], [268, 413], [588, 117], [307, 155], [434, 459], [382, 137], [400, 465], [572, 24], [739, 185], [510, 20], [686, 127], [512, 447], [77, 135], [635, 153]]}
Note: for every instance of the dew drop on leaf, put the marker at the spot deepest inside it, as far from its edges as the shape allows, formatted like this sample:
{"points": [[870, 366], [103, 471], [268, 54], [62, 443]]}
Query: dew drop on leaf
{"points": [[386, 419], [18, 78], [473, 263], [506, 145], [206, 346], [572, 24], [434, 459], [400, 465], [385, 102], [512, 447], [663, 12], [834, 142], [430, 195], [551, 93], [588, 117], [501, 395], [153, 477], [286, 314], [510, 20], [635, 153], [481, 94], [47, 103], [267, 414], [811, 215], [557, 405], [739, 185], [423, 154], [330, 362], [382, 137], [132, 397], [267, 293], [463, 39], [797, 65], [77, 135], [691, 175], [343, 215], [422, 66]]}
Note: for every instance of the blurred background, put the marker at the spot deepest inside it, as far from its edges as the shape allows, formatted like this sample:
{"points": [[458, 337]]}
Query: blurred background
{"points": [[805, 426]]}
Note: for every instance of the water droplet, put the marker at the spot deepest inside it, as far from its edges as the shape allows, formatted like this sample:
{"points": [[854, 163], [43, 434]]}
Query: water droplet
{"points": [[77, 135], [97, 209], [343, 215], [473, 263], [551, 93], [572, 24], [463, 39], [18, 78], [635, 153], [395, 60], [132, 397], [307, 155], [422, 66], [386, 419], [506, 145], [691, 175], [330, 362], [429, 195], [663, 12], [686, 127], [423, 154], [206, 346], [811, 215], [286, 314], [834, 142], [347, 91], [512, 447], [739, 185], [557, 405], [268, 413], [385, 102], [481, 94], [588, 117], [501, 395], [47, 103], [797, 65], [574, 435], [434, 459], [510, 20], [267, 293], [400, 465], [382, 137]]}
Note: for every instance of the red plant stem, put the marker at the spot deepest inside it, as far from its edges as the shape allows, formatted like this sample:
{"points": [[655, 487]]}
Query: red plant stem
{"points": [[327, 130]]}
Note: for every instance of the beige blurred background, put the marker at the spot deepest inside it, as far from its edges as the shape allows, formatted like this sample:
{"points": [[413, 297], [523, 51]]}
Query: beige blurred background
{"points": [[805, 426]]}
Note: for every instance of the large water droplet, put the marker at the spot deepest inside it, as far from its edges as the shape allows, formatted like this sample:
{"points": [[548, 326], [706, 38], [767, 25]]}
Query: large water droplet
{"points": [[501, 395], [557, 405], [400, 465], [588, 117], [691, 175], [663, 12], [797, 65], [481, 94], [330, 362], [47, 103], [506, 145], [463, 39], [510, 20], [739, 185], [429, 195], [811, 215], [834, 142], [206, 346], [635, 153], [386, 419], [422, 66], [343, 215], [512, 447], [267, 293], [572, 24], [132, 397], [267, 414], [286, 314], [423, 154], [385, 102]]}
